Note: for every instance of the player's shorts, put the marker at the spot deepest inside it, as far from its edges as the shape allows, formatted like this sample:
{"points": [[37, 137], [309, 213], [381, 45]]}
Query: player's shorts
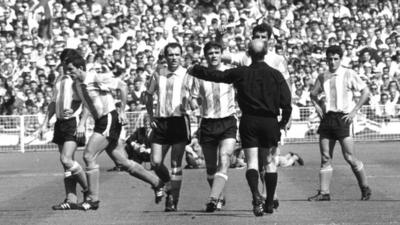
{"points": [[257, 131], [65, 130], [171, 130], [109, 126], [214, 130], [333, 127]]}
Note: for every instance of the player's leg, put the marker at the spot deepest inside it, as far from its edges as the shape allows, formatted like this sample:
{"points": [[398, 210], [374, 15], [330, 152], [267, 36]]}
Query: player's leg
{"points": [[158, 153], [271, 176], [210, 151], [97, 143], [252, 177], [177, 153], [357, 166], [225, 152], [119, 156], [71, 199], [325, 174]]}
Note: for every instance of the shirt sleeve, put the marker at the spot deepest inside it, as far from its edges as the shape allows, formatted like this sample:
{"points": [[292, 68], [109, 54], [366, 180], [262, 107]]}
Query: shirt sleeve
{"points": [[106, 81], [227, 76], [357, 83], [195, 90]]}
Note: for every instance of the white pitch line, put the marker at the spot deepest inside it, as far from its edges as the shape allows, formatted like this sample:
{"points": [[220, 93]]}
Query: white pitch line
{"points": [[30, 175]]}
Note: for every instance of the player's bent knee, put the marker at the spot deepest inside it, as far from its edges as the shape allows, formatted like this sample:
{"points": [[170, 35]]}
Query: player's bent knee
{"points": [[66, 161], [75, 168]]}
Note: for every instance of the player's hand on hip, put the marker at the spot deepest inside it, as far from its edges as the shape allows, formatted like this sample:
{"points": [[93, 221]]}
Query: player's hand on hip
{"points": [[349, 117], [122, 119]]}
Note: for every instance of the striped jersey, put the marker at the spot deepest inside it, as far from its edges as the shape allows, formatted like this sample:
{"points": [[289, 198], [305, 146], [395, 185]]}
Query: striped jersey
{"points": [[172, 89], [96, 93], [65, 98], [339, 88], [217, 99]]}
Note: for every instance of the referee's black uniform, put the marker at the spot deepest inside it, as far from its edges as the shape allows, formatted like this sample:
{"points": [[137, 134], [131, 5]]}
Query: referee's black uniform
{"points": [[261, 92]]}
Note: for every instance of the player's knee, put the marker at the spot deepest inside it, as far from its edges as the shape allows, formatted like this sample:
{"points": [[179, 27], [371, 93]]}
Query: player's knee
{"points": [[89, 157], [74, 168], [66, 161]]}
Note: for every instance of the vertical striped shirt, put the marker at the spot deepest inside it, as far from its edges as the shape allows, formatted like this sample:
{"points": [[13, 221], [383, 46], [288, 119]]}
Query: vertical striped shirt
{"points": [[64, 97], [96, 93], [218, 99], [172, 89], [339, 88]]}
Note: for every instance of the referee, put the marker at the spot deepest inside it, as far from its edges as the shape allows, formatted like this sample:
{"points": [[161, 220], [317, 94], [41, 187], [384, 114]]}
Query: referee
{"points": [[261, 92]]}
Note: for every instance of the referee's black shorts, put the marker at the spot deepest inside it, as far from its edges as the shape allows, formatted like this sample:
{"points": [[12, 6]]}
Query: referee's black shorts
{"points": [[212, 131], [65, 130], [171, 130], [257, 131], [333, 126]]}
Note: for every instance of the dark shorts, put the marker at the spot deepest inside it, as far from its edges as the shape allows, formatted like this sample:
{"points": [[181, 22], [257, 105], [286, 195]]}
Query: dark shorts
{"points": [[171, 130], [256, 131], [109, 126], [333, 127], [65, 130], [214, 130]]}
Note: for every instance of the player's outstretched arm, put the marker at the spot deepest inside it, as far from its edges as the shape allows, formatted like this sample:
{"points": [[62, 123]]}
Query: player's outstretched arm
{"points": [[201, 72]]}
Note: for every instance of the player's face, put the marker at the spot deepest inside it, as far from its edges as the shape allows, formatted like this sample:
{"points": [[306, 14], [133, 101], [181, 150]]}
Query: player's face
{"points": [[213, 57], [261, 35], [173, 58], [334, 61], [74, 71]]}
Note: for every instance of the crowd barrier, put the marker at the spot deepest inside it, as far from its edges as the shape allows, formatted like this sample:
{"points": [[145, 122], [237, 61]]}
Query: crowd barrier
{"points": [[19, 133]]}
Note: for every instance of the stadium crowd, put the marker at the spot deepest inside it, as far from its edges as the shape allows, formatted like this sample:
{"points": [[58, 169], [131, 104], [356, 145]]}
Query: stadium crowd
{"points": [[127, 37]]}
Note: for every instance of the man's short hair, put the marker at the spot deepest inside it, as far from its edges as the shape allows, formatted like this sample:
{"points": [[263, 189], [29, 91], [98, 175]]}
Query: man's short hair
{"points": [[68, 53], [172, 45], [261, 28], [210, 45], [334, 49], [78, 61]]}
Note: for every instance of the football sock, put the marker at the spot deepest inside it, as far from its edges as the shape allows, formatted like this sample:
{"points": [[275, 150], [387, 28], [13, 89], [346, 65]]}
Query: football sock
{"points": [[210, 179], [162, 172], [176, 183], [93, 175], [271, 180], [252, 180], [70, 187], [325, 176], [359, 172], [141, 173], [218, 185], [79, 175]]}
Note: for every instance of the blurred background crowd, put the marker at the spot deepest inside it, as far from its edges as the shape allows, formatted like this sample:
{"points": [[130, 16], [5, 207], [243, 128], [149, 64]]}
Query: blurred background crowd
{"points": [[127, 37]]}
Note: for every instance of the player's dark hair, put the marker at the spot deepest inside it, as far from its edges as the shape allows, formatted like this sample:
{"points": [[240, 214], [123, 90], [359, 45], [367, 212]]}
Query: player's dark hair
{"points": [[334, 49], [68, 53], [78, 61], [210, 45], [172, 45], [261, 28]]}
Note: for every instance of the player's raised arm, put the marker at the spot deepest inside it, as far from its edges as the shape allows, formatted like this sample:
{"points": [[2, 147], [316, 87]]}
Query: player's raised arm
{"points": [[201, 72]]}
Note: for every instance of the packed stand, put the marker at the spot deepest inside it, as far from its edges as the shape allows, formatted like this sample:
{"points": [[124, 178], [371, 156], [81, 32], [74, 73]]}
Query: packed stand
{"points": [[127, 37]]}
